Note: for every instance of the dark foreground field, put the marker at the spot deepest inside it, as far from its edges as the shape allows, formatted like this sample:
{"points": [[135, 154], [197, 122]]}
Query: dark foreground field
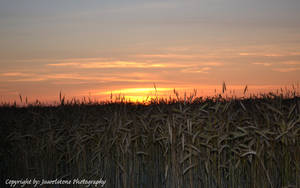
{"points": [[204, 143]]}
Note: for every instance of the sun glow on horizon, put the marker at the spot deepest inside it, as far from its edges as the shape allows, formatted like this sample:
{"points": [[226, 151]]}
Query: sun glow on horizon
{"points": [[148, 94]]}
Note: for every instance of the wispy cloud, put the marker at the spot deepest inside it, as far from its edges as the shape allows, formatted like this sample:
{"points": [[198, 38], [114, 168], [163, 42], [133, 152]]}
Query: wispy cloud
{"points": [[32, 79], [82, 78], [213, 64], [246, 54], [291, 62], [63, 76], [177, 56], [281, 69], [14, 74], [261, 54], [273, 55], [262, 63], [203, 70], [132, 64], [63, 64], [291, 69], [120, 64], [113, 64], [295, 53], [45, 60], [173, 56]]}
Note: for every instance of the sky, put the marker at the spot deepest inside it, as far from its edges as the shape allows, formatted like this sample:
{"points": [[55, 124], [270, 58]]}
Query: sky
{"points": [[94, 48]]}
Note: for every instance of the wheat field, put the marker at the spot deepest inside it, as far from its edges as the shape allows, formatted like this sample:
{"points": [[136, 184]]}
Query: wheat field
{"points": [[181, 142]]}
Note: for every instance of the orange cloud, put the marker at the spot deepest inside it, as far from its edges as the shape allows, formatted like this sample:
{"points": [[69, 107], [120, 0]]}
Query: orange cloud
{"points": [[15, 74], [173, 56], [177, 56], [63, 64], [114, 64], [246, 54], [213, 64], [80, 78], [43, 60], [273, 55], [291, 63], [262, 63], [197, 70], [33, 79], [286, 69], [261, 54], [63, 76], [295, 53]]}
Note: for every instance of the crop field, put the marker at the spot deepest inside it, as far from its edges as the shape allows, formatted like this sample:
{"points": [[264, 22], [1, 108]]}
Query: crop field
{"points": [[181, 142]]}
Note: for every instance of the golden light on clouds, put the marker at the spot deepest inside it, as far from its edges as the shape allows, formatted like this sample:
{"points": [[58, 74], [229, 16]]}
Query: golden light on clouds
{"points": [[112, 64], [134, 78]]}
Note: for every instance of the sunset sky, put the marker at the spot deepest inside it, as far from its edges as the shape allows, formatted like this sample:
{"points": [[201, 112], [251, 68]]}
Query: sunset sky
{"points": [[94, 47]]}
